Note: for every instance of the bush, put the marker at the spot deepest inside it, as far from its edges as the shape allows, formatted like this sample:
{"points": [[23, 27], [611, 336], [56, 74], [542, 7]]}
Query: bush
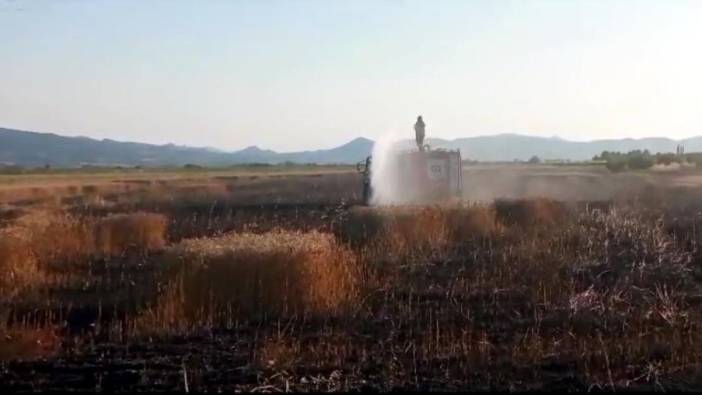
{"points": [[633, 160], [640, 161], [616, 165], [668, 159]]}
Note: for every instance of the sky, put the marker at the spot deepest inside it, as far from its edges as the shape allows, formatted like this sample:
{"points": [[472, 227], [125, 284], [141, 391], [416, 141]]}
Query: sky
{"points": [[301, 74]]}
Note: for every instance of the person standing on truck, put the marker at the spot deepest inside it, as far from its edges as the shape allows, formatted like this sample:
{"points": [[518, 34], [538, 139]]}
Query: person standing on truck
{"points": [[419, 132]]}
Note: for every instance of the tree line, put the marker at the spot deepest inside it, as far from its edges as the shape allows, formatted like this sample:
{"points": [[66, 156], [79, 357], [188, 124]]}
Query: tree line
{"points": [[642, 160]]}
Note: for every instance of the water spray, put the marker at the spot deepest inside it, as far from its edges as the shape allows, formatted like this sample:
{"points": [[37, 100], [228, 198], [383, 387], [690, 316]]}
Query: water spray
{"points": [[385, 170]]}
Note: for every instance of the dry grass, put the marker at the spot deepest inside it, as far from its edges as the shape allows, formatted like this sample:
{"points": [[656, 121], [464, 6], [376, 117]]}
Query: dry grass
{"points": [[608, 298], [28, 344], [32, 243], [467, 222], [44, 240], [56, 237], [18, 265], [121, 233], [531, 212], [250, 276], [515, 295], [415, 232], [279, 352]]}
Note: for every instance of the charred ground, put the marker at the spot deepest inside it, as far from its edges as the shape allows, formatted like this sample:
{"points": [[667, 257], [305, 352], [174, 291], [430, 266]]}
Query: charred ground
{"points": [[549, 278]]}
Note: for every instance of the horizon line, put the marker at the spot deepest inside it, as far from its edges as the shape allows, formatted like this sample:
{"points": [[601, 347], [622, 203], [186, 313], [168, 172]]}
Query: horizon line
{"points": [[498, 134]]}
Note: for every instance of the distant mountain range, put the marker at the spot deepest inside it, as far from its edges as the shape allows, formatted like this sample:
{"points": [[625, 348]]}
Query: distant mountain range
{"points": [[24, 148]]}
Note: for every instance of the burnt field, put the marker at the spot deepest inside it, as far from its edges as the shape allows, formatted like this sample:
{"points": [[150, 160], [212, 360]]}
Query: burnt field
{"points": [[541, 279]]}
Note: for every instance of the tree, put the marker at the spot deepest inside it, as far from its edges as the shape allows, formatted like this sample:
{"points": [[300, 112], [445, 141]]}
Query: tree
{"points": [[638, 160], [668, 158], [534, 160], [615, 165]]}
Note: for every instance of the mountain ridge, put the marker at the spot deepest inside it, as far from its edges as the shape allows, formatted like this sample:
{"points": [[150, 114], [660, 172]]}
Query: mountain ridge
{"points": [[25, 148]]}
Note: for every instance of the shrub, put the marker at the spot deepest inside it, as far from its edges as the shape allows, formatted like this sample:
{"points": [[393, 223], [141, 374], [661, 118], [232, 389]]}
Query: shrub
{"points": [[632, 160], [641, 161], [615, 165], [668, 158]]}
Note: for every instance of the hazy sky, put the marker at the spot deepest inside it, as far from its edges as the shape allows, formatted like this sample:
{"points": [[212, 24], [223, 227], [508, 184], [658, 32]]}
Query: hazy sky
{"points": [[291, 75]]}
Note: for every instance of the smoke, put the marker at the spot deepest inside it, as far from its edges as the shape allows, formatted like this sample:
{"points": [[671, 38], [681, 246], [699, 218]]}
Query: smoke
{"points": [[385, 170]]}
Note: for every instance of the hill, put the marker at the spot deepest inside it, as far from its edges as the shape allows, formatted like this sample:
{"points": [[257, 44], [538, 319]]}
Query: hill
{"points": [[38, 149], [506, 147]]}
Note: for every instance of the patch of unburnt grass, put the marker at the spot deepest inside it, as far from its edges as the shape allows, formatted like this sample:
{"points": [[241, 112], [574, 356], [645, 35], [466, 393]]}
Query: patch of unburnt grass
{"points": [[415, 233], [47, 253], [120, 233], [254, 277]]}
